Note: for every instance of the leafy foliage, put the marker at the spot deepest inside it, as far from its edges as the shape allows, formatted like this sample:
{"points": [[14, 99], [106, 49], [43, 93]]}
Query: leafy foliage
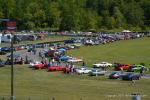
{"points": [[78, 15]]}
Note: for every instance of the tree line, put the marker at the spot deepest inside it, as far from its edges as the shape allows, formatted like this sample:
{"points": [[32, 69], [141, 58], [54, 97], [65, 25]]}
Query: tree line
{"points": [[78, 15]]}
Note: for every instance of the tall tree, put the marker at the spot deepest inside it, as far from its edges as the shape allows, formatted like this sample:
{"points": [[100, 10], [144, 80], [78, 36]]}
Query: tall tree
{"points": [[119, 18]]}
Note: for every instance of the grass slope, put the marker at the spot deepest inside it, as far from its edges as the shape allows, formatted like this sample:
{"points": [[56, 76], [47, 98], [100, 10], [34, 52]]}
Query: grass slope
{"points": [[128, 51], [42, 85]]}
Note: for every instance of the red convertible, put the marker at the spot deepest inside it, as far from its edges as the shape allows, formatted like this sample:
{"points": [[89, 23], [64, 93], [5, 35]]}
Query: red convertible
{"points": [[119, 66], [56, 68], [38, 65]]}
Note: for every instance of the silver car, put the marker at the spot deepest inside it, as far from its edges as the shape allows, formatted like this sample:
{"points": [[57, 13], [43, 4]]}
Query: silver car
{"points": [[97, 72]]}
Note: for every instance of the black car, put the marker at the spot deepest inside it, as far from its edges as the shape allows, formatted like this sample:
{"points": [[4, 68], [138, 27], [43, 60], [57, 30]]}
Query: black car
{"points": [[69, 41], [115, 75]]}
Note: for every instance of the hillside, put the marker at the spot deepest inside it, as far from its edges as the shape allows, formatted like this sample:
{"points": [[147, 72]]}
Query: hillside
{"points": [[78, 15]]}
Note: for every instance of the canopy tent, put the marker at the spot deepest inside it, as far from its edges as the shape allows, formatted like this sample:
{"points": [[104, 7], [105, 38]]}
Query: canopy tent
{"points": [[126, 31]]}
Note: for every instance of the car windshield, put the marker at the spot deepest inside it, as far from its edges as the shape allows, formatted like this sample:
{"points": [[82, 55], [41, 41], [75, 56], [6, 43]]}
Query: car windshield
{"points": [[95, 70]]}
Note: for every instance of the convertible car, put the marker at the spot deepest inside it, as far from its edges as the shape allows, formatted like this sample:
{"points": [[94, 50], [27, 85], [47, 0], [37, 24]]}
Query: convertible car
{"points": [[119, 66], [38, 65], [56, 68], [137, 68], [115, 75]]}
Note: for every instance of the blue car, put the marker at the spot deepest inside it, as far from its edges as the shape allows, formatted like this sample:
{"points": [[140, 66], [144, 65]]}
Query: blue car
{"points": [[64, 58], [131, 76], [2, 63], [6, 49]]}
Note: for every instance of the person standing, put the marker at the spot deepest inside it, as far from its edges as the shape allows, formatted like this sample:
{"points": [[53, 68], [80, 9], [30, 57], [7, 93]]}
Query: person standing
{"points": [[142, 71], [83, 64]]}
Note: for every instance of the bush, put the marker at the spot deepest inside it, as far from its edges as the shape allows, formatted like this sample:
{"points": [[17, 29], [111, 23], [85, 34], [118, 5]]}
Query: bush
{"points": [[2, 53], [142, 64]]}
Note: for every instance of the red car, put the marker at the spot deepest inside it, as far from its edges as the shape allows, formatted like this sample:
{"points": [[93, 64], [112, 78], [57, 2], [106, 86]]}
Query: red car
{"points": [[119, 66], [56, 68], [38, 65]]}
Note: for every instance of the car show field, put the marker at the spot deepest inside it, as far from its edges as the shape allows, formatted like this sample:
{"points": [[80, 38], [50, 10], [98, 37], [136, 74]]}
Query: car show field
{"points": [[126, 51], [43, 85]]}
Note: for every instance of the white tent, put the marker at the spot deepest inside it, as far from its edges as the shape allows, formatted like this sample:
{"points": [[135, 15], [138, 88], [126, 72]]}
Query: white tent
{"points": [[126, 31]]}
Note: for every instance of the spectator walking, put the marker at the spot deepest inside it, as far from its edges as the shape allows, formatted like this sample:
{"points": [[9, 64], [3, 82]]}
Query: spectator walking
{"points": [[83, 64], [34, 51], [142, 71]]}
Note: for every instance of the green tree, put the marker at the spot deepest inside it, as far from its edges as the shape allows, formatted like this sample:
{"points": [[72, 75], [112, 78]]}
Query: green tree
{"points": [[7, 7], [134, 14], [119, 18], [54, 14]]}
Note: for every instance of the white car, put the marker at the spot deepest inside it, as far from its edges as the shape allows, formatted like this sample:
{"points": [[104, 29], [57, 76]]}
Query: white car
{"points": [[83, 70], [74, 60], [102, 64], [97, 72]]}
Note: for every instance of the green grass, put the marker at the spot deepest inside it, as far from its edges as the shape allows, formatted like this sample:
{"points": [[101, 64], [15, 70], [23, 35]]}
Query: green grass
{"points": [[128, 51], [47, 39], [42, 85]]}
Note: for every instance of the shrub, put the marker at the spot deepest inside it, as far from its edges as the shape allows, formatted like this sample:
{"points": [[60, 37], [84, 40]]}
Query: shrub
{"points": [[2, 53]]}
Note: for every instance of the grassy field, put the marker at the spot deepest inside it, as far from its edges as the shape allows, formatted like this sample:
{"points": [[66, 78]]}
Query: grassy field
{"points": [[43, 85]]}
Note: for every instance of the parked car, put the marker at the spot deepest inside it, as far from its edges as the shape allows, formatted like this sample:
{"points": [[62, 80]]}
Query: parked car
{"points": [[6, 49], [137, 68], [69, 41], [2, 63], [115, 75], [38, 65], [97, 72], [131, 76], [119, 66], [16, 58], [21, 47], [102, 64], [65, 58], [82, 70], [56, 68], [75, 60]]}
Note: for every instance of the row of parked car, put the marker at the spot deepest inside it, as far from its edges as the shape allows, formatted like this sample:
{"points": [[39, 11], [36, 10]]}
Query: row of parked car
{"points": [[4, 50], [100, 38], [95, 71]]}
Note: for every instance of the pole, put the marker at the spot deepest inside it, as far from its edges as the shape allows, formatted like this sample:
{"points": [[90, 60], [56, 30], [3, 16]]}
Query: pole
{"points": [[12, 71]]}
